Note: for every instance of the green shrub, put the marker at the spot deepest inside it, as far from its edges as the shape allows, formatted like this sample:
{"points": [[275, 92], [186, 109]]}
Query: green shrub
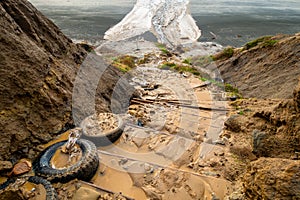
{"points": [[124, 63], [226, 53], [232, 91], [255, 42], [269, 43], [265, 41], [187, 69], [230, 88]]}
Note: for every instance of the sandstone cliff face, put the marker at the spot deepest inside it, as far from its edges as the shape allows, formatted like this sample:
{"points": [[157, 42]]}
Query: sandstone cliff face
{"points": [[268, 70], [297, 97], [270, 128], [272, 178], [38, 65]]}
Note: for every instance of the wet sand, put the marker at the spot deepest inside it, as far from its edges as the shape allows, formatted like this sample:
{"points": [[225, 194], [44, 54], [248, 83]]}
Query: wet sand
{"points": [[154, 161]]}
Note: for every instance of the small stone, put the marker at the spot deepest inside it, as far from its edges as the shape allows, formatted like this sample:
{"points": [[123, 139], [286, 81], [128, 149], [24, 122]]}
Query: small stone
{"points": [[214, 197], [123, 161], [208, 141], [106, 196], [70, 195], [219, 154], [102, 170], [191, 165], [77, 186], [220, 142], [202, 164], [213, 164], [209, 173], [22, 167], [148, 168], [86, 193]]}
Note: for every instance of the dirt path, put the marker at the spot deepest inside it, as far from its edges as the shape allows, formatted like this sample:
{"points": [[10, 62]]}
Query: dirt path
{"points": [[170, 147], [156, 160]]}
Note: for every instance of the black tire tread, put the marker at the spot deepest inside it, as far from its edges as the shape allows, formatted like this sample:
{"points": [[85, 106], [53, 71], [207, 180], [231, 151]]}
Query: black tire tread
{"points": [[7, 183], [50, 191], [84, 169]]}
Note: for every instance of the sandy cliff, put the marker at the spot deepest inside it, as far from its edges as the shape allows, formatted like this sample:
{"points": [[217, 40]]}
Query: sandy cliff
{"points": [[38, 65], [265, 133], [265, 68]]}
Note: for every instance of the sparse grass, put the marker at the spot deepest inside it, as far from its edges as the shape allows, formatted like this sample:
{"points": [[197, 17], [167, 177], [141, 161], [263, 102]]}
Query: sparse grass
{"points": [[265, 41], [167, 66], [124, 69], [233, 91], [227, 87], [217, 83], [145, 59], [203, 61], [179, 68], [241, 112], [160, 45], [187, 61], [187, 69], [226, 53], [163, 48], [203, 79], [124, 63]]}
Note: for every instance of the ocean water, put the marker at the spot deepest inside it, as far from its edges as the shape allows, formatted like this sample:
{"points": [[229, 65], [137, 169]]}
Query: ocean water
{"points": [[233, 22]]}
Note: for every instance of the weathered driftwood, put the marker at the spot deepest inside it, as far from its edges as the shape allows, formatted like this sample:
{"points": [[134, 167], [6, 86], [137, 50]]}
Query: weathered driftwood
{"points": [[178, 103]]}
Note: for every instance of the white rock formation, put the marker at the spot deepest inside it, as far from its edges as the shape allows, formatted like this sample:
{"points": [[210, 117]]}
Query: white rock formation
{"points": [[169, 20]]}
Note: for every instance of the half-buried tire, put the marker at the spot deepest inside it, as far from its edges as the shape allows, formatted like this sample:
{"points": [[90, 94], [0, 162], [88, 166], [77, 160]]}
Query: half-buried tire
{"points": [[50, 191], [84, 169], [106, 138]]}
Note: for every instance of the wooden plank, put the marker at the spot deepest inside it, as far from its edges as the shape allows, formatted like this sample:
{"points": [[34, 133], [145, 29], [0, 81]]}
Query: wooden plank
{"points": [[103, 189]]}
